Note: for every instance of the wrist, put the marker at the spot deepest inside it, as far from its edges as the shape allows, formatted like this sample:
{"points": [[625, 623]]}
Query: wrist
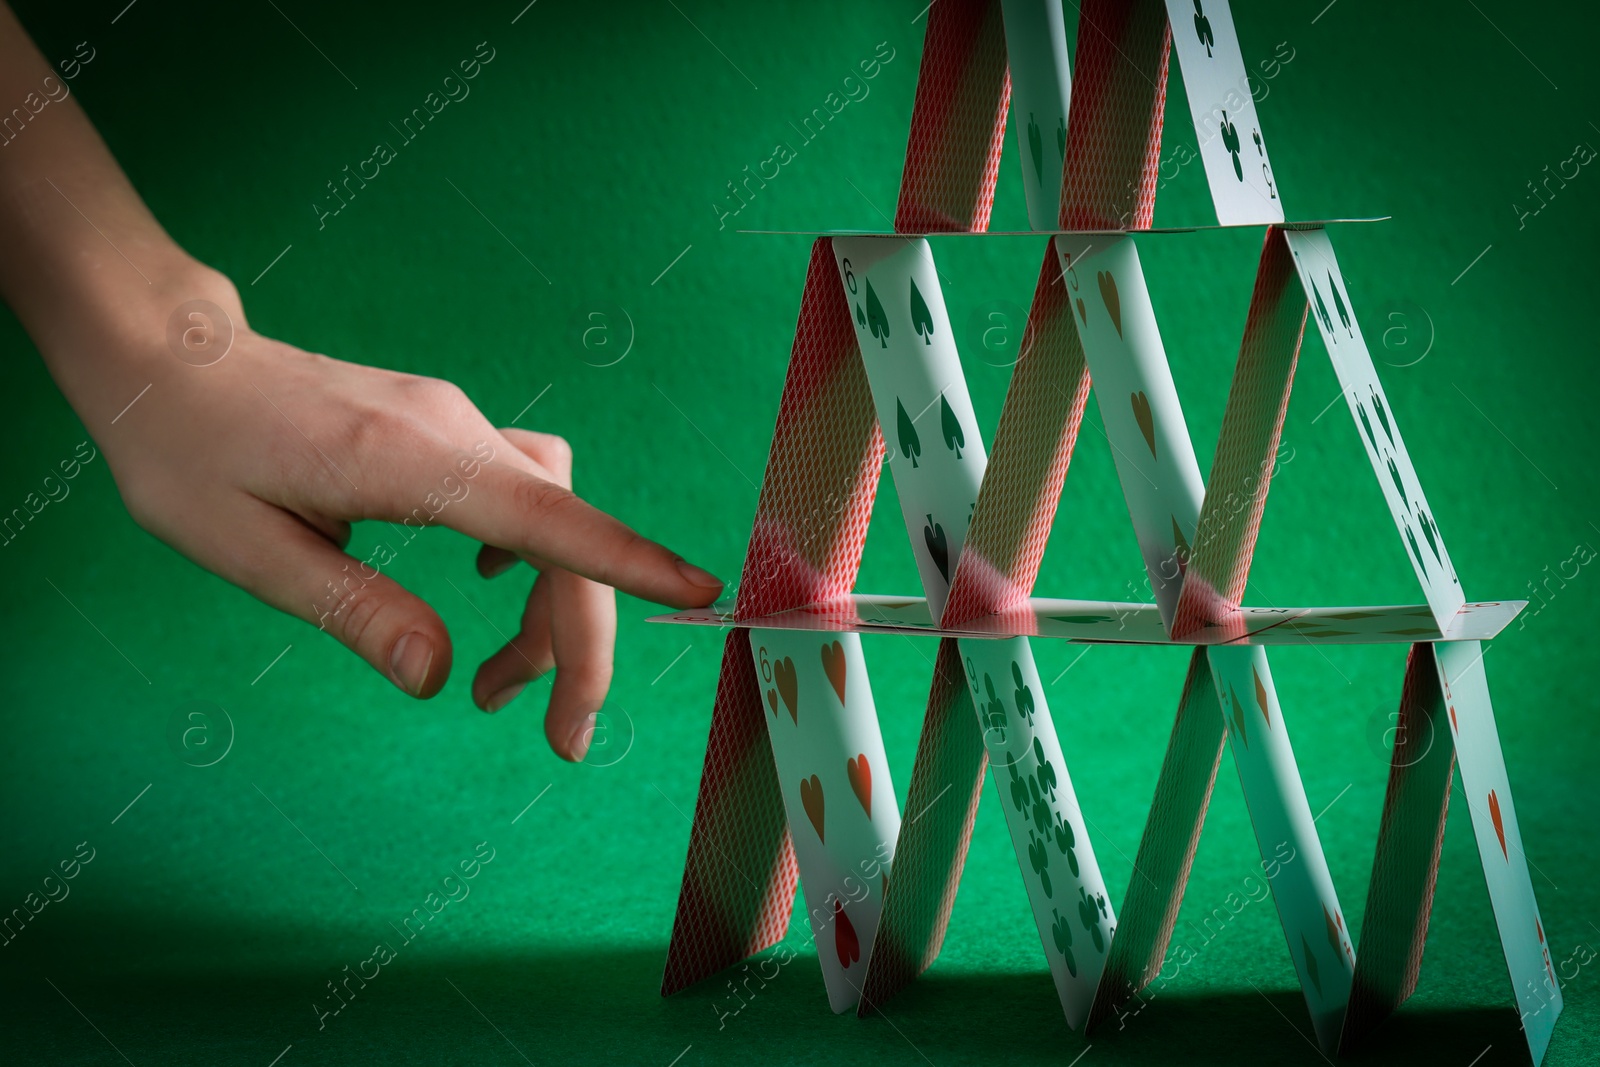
{"points": [[105, 336]]}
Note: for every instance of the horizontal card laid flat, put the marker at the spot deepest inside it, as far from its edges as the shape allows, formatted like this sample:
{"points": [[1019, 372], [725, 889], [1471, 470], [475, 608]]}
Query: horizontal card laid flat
{"points": [[1107, 622], [1302, 224]]}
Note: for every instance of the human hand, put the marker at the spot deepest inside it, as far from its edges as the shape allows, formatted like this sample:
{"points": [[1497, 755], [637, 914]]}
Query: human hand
{"points": [[255, 466]]}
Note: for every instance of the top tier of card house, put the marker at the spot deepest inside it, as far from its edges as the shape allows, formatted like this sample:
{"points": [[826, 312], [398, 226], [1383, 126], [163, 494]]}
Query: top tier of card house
{"points": [[1105, 622], [1304, 224]]}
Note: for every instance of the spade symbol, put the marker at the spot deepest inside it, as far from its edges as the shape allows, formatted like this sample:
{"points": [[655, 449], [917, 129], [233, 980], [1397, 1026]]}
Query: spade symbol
{"points": [[1383, 415], [921, 320], [1338, 305], [938, 548], [954, 438], [1366, 424], [877, 321], [861, 316], [1322, 309], [1230, 141], [1202, 28], [910, 444], [1415, 551], [1399, 487], [1429, 531]]}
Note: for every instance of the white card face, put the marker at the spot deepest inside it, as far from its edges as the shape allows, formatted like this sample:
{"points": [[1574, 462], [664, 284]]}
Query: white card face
{"points": [[1070, 904], [1041, 90], [1224, 112], [1291, 853], [1138, 403], [1494, 823], [935, 451], [1335, 317], [836, 789]]}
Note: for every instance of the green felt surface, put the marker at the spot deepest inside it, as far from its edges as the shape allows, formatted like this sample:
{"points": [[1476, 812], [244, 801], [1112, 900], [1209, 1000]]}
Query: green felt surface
{"points": [[218, 906]]}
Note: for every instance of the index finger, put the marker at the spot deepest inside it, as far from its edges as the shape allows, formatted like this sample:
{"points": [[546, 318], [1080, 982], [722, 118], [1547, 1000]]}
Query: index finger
{"points": [[535, 517]]}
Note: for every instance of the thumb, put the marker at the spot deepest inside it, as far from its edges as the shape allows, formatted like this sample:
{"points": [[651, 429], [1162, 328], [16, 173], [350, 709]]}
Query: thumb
{"points": [[299, 572]]}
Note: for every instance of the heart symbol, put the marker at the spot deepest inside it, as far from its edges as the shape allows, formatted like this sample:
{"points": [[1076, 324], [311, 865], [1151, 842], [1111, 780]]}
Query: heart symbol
{"points": [[1141, 415], [772, 700], [833, 667], [1499, 827], [783, 673], [811, 800], [1108, 293], [844, 936], [1082, 315], [860, 773]]}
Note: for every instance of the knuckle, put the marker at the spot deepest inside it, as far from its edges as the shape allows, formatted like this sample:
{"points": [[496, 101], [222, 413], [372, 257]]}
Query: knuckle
{"points": [[359, 613], [546, 499], [556, 453]]}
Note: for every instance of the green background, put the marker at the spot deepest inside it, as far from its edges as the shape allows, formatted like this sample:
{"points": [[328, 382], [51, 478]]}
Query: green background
{"points": [[596, 142]]}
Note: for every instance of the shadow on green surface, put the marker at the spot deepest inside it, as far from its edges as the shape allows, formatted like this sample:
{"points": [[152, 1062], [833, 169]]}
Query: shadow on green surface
{"points": [[219, 994]]}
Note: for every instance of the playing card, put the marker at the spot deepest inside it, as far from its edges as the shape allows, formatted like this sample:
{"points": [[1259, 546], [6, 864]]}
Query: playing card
{"points": [[1130, 623], [1113, 146], [1291, 854], [1032, 447], [941, 804], [1166, 850], [1376, 425], [1247, 448], [834, 777], [824, 464], [1494, 822], [1138, 403], [1225, 122], [1041, 90], [935, 451], [958, 122], [811, 521], [1406, 862], [1073, 912], [739, 876]]}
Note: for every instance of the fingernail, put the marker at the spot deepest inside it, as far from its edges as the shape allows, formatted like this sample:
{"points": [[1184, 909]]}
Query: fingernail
{"points": [[409, 662], [503, 697], [578, 743], [698, 575]]}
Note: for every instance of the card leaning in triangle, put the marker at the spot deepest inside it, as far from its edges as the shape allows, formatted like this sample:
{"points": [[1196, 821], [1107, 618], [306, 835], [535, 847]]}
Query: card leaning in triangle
{"points": [[796, 786]]}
